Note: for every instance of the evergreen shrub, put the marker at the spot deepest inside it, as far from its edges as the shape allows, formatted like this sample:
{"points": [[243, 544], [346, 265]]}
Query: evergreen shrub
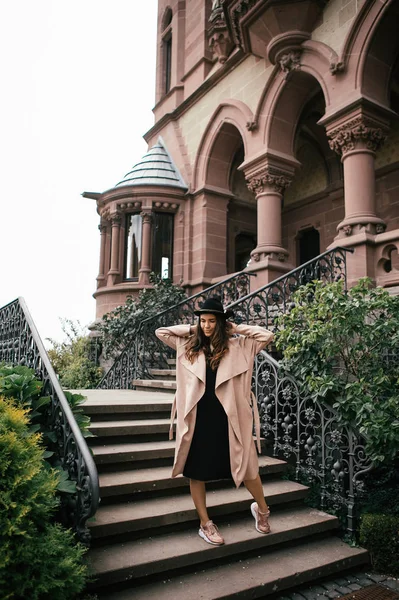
{"points": [[380, 535], [39, 559]]}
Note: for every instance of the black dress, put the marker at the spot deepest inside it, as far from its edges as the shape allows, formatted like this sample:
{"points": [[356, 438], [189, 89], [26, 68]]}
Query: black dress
{"points": [[209, 457]]}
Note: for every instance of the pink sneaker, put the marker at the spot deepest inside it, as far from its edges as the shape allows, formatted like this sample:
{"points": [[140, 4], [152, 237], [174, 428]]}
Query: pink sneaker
{"points": [[261, 519], [210, 533]]}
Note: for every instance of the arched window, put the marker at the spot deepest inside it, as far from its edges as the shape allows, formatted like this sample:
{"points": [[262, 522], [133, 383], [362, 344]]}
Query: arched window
{"points": [[162, 244], [133, 246], [167, 50]]}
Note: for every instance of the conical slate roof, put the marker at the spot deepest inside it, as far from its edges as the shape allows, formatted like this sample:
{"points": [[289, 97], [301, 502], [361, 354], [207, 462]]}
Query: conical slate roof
{"points": [[155, 168]]}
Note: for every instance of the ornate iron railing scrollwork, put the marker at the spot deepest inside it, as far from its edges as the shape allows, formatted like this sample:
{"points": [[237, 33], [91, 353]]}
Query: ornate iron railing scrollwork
{"points": [[20, 344], [263, 306], [146, 352], [309, 435]]}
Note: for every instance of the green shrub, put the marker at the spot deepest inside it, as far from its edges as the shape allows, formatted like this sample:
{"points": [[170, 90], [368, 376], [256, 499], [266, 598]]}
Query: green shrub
{"points": [[20, 383], [39, 560], [342, 347], [117, 328], [71, 359], [380, 535]]}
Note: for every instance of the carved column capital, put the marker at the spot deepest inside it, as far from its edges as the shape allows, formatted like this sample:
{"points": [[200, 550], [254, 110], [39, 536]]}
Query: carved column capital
{"points": [[359, 132], [115, 219], [146, 216], [102, 227], [268, 180]]}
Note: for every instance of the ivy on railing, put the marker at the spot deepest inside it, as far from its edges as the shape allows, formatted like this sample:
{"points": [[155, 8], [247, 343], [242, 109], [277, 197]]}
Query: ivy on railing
{"points": [[146, 352], [20, 344], [310, 435]]}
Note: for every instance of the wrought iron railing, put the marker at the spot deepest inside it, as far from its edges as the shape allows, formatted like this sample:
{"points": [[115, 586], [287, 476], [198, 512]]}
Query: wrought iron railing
{"points": [[263, 306], [309, 435], [20, 344], [146, 352]]}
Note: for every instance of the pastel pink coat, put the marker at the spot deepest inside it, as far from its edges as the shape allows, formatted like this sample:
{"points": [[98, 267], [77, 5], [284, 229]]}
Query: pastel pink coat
{"points": [[233, 389]]}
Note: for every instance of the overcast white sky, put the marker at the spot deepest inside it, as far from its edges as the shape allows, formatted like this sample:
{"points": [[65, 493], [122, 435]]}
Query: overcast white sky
{"points": [[78, 80]]}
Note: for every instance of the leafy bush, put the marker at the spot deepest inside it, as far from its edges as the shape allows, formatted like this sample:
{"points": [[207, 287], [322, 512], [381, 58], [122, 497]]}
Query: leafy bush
{"points": [[117, 328], [39, 560], [380, 535], [71, 358], [344, 347], [20, 383]]}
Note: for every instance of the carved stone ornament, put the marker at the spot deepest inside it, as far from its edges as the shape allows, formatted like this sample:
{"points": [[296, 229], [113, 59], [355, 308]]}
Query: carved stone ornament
{"points": [[337, 67], [291, 61], [343, 139], [255, 256], [251, 125], [102, 228], [347, 229], [115, 219], [268, 179], [380, 228], [219, 38], [146, 216]]}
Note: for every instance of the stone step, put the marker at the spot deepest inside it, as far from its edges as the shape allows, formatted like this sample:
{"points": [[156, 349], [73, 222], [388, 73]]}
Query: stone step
{"points": [[132, 452], [142, 515], [256, 577], [159, 478], [142, 558], [121, 404], [161, 385], [163, 373], [130, 427]]}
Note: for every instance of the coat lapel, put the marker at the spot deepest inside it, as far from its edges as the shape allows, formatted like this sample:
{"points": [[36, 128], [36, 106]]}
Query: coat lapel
{"points": [[231, 365]]}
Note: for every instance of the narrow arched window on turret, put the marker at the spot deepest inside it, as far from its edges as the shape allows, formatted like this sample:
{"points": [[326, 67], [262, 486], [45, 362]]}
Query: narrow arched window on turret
{"points": [[167, 49]]}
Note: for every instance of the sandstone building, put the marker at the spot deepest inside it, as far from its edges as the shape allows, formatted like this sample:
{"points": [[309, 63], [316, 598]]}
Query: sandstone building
{"points": [[276, 137]]}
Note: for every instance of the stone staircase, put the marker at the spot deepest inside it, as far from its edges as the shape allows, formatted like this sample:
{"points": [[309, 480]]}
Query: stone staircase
{"points": [[145, 541]]}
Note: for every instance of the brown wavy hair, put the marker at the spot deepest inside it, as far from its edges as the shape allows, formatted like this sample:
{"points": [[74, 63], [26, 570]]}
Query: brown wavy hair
{"points": [[199, 342]]}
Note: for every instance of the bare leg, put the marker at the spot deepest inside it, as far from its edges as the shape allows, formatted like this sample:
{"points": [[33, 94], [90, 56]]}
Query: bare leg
{"points": [[198, 494], [255, 488]]}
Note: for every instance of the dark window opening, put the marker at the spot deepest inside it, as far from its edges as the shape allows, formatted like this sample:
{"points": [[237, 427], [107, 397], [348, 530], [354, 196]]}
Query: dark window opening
{"points": [[167, 43], [133, 246], [162, 245], [309, 245], [244, 244]]}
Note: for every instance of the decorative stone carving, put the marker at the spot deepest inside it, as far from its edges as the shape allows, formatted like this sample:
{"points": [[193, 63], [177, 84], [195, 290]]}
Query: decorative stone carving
{"points": [[102, 228], [347, 229], [344, 138], [281, 257], [255, 256], [337, 67], [251, 125], [115, 219], [219, 37], [268, 178], [146, 216], [290, 61], [380, 228]]}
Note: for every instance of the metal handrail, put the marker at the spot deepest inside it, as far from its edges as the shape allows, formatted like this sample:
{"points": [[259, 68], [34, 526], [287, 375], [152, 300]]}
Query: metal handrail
{"points": [[309, 433], [132, 361], [263, 305], [20, 344]]}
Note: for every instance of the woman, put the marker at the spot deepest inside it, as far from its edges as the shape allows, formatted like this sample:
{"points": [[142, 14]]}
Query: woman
{"points": [[215, 413]]}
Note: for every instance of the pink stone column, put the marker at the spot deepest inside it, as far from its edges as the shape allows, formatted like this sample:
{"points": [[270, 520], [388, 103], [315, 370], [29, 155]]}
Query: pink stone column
{"points": [[115, 234], [268, 188], [357, 141], [145, 268], [103, 229]]}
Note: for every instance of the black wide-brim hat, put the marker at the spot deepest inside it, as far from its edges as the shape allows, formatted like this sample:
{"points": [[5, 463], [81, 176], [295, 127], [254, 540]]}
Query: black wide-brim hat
{"points": [[214, 306]]}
